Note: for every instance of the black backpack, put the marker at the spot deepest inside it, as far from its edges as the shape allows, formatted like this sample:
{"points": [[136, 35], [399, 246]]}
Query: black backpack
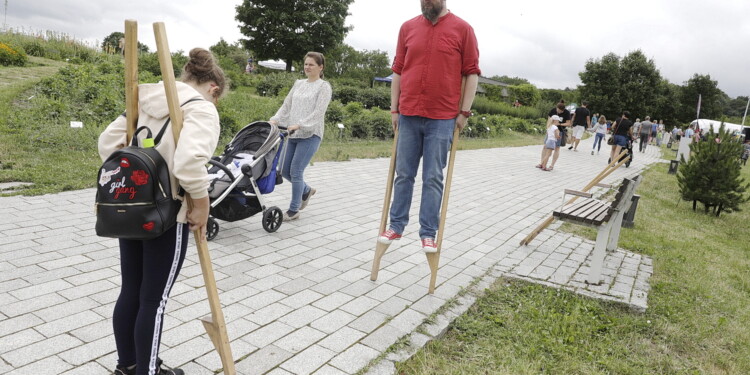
{"points": [[134, 194]]}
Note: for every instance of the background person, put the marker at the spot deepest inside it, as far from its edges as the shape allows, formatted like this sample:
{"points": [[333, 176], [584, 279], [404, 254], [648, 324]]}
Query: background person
{"points": [[551, 141], [149, 268], [645, 134], [581, 122], [623, 132], [564, 115], [600, 131], [425, 97], [303, 114]]}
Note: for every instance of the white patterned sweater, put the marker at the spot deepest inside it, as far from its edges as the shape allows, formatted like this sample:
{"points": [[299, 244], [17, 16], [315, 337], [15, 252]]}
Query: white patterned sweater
{"points": [[305, 105]]}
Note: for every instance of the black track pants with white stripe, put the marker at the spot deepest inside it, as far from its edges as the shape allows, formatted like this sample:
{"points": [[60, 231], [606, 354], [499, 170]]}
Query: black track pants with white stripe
{"points": [[149, 270]]}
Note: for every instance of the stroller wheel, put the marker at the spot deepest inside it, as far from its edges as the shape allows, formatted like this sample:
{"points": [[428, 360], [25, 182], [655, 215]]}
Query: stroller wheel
{"points": [[212, 229], [272, 218]]}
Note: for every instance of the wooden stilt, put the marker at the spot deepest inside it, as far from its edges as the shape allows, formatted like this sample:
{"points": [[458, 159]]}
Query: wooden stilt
{"points": [[433, 259], [381, 248], [619, 160], [215, 325], [131, 77]]}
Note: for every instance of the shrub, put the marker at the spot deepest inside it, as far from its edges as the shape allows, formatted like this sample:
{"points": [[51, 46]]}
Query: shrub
{"points": [[369, 97], [335, 112], [274, 84], [486, 106], [379, 122], [12, 55]]}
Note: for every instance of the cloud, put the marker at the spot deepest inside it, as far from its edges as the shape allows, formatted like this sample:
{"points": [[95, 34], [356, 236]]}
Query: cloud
{"points": [[544, 41]]}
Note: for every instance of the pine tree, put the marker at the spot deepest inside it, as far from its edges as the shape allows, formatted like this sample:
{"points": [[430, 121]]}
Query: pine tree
{"points": [[712, 175]]}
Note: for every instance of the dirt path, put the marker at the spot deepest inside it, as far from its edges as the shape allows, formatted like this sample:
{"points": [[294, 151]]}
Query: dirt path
{"points": [[10, 76]]}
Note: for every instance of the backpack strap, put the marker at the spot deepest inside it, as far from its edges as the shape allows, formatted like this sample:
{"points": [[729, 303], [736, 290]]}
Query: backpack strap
{"points": [[164, 127]]}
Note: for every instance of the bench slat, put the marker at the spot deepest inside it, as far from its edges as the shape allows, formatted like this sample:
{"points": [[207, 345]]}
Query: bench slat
{"points": [[579, 209]]}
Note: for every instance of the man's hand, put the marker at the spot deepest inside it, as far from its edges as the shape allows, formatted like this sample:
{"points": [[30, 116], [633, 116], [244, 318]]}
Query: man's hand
{"points": [[198, 216], [461, 121], [394, 121]]}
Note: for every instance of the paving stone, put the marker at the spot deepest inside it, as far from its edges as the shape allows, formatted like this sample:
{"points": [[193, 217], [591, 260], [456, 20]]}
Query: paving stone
{"points": [[309, 360], [354, 358], [262, 360], [299, 340]]}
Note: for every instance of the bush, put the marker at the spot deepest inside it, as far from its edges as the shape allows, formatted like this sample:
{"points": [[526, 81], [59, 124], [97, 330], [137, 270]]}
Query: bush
{"points": [[500, 124], [486, 106], [369, 97], [274, 84], [335, 112], [12, 55]]}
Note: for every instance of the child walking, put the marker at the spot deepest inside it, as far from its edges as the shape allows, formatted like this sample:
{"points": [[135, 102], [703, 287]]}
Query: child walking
{"points": [[600, 130], [551, 141]]}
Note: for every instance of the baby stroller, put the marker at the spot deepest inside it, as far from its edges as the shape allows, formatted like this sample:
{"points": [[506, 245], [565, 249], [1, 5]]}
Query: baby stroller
{"points": [[630, 152], [242, 174]]}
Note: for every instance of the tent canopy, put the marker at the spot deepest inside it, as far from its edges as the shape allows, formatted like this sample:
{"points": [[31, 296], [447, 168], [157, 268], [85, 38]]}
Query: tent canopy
{"points": [[706, 124], [384, 79]]}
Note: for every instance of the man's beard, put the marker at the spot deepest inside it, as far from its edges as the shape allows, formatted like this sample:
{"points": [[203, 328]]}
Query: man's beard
{"points": [[432, 11]]}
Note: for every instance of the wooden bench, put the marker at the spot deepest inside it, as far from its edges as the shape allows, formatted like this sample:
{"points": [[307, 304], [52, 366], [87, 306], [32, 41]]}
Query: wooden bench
{"points": [[606, 216]]}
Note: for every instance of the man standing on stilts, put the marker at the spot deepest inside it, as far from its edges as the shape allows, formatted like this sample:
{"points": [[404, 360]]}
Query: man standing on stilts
{"points": [[435, 51]]}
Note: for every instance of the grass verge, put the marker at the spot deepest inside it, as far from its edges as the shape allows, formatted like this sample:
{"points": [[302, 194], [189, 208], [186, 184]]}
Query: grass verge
{"points": [[697, 321]]}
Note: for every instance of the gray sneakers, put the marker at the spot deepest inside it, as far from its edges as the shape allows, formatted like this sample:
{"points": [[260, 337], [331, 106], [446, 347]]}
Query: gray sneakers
{"points": [[289, 216], [306, 198]]}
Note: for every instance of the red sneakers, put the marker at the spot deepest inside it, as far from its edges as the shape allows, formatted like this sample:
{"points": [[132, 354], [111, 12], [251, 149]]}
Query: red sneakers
{"points": [[388, 236], [429, 245]]}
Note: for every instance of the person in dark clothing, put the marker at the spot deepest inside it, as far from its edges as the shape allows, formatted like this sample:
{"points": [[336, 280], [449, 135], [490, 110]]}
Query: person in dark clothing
{"points": [[623, 131], [581, 122]]}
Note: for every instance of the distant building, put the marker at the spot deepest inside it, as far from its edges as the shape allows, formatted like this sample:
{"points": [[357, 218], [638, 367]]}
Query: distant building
{"points": [[487, 81]]}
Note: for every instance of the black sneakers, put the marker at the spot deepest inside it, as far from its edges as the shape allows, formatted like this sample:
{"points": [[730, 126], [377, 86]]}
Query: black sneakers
{"points": [[124, 371], [163, 370]]}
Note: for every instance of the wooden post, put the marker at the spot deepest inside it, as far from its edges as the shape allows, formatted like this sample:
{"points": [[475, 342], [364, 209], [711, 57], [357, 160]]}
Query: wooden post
{"points": [[131, 77], [433, 259], [381, 248], [619, 160], [214, 325]]}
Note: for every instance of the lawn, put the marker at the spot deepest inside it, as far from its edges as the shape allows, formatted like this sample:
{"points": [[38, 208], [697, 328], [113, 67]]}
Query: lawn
{"points": [[698, 321]]}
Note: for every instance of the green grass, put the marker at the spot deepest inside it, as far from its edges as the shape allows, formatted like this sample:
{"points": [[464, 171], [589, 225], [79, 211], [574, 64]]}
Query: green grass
{"points": [[697, 321], [343, 150]]}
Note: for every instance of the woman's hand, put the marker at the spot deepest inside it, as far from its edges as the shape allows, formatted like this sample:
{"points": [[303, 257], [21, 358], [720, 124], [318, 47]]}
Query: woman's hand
{"points": [[293, 128], [198, 216], [274, 122], [394, 121]]}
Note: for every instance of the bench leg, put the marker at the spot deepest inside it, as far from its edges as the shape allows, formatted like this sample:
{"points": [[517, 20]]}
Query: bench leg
{"points": [[597, 257], [615, 235]]}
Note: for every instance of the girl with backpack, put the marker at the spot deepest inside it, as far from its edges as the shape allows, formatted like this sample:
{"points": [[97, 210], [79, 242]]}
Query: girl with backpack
{"points": [[149, 268]]}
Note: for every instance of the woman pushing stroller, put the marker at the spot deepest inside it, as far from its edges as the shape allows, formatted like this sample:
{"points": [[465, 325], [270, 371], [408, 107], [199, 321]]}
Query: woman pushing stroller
{"points": [[303, 115]]}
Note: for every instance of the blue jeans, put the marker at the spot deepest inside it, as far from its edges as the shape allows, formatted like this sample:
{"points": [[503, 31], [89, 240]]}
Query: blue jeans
{"points": [[299, 152], [430, 140], [598, 141]]}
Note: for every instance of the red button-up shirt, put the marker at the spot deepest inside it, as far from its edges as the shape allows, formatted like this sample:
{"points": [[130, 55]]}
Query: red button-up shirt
{"points": [[431, 60]]}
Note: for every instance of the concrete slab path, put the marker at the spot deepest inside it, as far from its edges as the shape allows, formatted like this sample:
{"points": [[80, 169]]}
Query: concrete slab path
{"points": [[300, 301]]}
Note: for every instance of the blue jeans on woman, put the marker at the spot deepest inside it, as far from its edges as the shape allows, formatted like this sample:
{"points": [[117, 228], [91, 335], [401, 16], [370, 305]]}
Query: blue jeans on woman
{"points": [[430, 140], [598, 141], [299, 152]]}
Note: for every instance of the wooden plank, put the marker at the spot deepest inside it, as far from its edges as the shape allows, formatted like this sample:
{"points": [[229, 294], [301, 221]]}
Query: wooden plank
{"points": [[572, 211], [597, 216], [578, 193]]}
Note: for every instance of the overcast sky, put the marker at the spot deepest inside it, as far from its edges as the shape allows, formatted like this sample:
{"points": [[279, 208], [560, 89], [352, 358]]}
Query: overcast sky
{"points": [[544, 41]]}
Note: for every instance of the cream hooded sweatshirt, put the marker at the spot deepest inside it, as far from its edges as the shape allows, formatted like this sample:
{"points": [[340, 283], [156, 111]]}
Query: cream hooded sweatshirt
{"points": [[198, 139]]}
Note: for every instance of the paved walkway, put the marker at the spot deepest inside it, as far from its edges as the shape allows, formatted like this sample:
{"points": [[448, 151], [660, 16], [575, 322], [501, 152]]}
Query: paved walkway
{"points": [[300, 300]]}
